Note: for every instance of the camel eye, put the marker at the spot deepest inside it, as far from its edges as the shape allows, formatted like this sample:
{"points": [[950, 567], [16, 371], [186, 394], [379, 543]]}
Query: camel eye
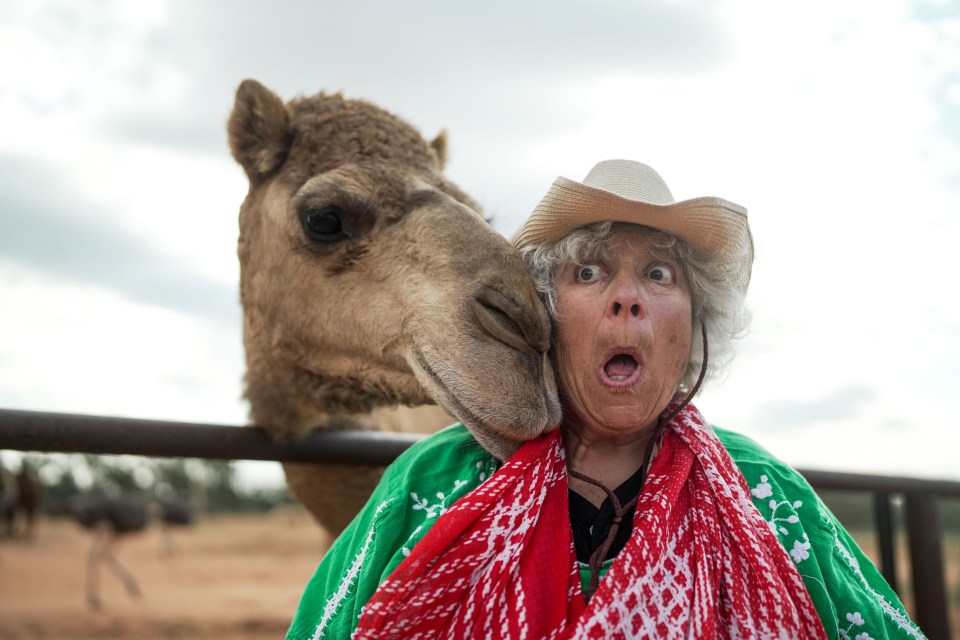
{"points": [[324, 224]]}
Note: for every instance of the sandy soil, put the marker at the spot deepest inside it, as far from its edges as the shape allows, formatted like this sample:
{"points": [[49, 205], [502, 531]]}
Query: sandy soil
{"points": [[228, 578]]}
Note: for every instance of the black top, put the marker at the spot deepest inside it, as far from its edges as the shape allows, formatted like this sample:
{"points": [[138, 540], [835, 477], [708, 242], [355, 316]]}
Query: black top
{"points": [[591, 525]]}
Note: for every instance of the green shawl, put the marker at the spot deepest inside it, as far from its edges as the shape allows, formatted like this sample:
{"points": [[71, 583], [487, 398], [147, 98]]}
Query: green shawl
{"points": [[851, 597]]}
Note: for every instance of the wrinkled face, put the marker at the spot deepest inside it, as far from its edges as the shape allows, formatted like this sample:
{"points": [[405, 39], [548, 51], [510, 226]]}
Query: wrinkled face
{"points": [[622, 336]]}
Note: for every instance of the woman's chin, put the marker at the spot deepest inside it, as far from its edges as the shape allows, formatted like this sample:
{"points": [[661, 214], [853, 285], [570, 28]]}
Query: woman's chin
{"points": [[610, 422]]}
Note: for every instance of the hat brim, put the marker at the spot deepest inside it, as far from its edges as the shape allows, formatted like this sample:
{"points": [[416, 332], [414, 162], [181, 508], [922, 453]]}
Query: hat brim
{"points": [[711, 225]]}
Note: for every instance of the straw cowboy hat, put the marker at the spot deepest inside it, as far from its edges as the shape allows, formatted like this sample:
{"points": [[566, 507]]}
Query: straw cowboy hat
{"points": [[628, 191]]}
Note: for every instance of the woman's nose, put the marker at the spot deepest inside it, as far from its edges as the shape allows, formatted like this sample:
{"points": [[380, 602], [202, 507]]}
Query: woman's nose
{"points": [[633, 309], [625, 301]]}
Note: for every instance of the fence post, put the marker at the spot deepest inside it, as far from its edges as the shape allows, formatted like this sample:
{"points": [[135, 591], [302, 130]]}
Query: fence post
{"points": [[924, 531], [883, 520]]}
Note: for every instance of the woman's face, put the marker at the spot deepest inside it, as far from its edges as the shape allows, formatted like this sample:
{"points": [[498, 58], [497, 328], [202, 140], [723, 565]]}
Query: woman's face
{"points": [[623, 336]]}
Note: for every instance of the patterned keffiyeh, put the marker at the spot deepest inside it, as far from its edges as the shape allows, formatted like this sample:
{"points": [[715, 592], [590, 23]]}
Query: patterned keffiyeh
{"points": [[701, 562]]}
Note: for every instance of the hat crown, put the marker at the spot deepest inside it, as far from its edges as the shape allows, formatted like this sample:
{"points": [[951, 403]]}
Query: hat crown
{"points": [[630, 179], [632, 192]]}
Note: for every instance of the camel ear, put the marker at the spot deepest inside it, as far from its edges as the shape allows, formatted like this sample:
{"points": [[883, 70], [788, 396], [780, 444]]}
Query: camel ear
{"points": [[439, 146], [259, 130]]}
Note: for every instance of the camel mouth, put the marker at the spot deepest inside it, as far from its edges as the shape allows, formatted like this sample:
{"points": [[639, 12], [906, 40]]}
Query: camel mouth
{"points": [[505, 321], [479, 425], [621, 370], [449, 400]]}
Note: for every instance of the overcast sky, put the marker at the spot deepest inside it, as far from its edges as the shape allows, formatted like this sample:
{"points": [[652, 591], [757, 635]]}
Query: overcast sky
{"points": [[836, 124]]}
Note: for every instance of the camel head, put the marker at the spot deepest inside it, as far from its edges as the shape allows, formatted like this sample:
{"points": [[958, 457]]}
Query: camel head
{"points": [[370, 280]]}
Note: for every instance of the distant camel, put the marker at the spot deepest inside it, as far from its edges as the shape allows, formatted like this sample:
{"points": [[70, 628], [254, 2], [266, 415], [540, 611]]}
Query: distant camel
{"points": [[370, 284], [113, 517]]}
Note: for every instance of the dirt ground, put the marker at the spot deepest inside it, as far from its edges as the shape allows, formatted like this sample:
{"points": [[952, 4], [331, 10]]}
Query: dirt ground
{"points": [[228, 578]]}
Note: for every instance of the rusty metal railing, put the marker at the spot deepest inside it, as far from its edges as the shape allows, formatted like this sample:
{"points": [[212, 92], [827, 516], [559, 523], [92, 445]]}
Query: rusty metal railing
{"points": [[69, 433]]}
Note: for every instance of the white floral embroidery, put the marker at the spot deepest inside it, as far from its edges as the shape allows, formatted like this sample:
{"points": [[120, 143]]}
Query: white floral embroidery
{"points": [[434, 507], [791, 519], [801, 550], [855, 620], [782, 512], [762, 490]]}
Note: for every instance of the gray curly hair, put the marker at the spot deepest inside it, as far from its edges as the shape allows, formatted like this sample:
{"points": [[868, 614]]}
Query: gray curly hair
{"points": [[716, 303]]}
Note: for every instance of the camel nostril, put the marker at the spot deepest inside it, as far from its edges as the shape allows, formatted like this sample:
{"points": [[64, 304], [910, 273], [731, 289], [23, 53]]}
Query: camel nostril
{"points": [[496, 323], [502, 319]]}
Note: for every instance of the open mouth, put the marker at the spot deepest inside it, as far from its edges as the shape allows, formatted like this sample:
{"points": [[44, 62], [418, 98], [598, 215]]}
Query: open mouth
{"points": [[621, 370]]}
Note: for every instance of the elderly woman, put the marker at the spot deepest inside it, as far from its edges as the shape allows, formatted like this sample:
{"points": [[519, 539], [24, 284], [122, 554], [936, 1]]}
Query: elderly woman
{"points": [[635, 518]]}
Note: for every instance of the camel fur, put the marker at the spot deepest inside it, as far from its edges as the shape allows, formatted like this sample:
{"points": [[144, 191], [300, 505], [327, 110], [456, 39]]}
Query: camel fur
{"points": [[370, 283]]}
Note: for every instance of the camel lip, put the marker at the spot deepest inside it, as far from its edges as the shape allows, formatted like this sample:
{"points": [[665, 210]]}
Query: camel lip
{"points": [[451, 403], [455, 406], [629, 365]]}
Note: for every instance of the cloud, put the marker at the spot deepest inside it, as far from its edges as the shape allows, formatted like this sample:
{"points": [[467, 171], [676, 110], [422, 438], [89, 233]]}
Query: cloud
{"points": [[402, 45], [83, 349], [203, 130], [83, 247], [843, 404], [839, 133]]}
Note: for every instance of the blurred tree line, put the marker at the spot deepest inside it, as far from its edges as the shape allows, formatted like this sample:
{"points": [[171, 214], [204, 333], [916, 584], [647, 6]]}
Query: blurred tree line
{"points": [[208, 486], [855, 510], [212, 486]]}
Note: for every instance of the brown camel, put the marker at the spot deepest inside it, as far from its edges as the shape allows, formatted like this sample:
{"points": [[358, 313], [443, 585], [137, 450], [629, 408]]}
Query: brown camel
{"points": [[369, 283]]}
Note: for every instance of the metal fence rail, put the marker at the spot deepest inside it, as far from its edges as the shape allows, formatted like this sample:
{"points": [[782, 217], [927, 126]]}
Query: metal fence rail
{"points": [[63, 432], [69, 433]]}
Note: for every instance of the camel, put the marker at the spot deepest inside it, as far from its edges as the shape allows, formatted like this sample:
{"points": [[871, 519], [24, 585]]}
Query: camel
{"points": [[370, 283]]}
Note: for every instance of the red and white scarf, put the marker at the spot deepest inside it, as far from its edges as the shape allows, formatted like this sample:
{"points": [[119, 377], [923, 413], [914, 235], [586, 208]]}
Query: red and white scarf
{"points": [[701, 562]]}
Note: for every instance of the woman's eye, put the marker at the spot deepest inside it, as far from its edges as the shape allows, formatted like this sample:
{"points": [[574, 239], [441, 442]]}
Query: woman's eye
{"points": [[588, 273], [661, 274]]}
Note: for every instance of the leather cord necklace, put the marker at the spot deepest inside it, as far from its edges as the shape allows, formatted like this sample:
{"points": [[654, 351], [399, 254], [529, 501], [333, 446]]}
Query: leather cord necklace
{"points": [[599, 556]]}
